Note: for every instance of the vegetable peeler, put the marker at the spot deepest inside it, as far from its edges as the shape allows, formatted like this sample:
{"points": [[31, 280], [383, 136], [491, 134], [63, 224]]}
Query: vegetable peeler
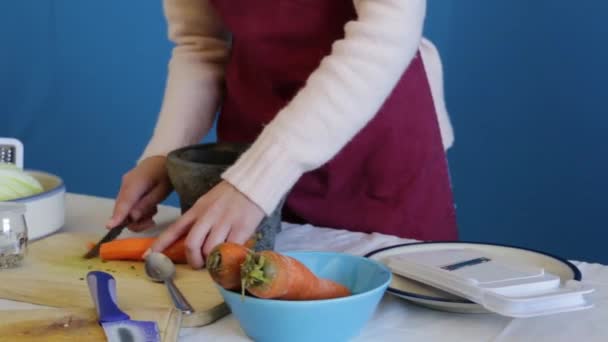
{"points": [[117, 325]]}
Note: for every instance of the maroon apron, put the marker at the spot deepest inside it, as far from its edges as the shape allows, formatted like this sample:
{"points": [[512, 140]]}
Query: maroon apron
{"points": [[392, 177]]}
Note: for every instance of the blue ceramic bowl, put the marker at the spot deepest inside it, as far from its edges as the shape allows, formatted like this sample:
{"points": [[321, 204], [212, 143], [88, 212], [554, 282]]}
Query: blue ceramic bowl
{"points": [[334, 320]]}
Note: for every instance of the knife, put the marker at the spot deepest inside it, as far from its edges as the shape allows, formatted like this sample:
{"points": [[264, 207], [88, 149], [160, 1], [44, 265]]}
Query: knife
{"points": [[117, 325], [111, 235]]}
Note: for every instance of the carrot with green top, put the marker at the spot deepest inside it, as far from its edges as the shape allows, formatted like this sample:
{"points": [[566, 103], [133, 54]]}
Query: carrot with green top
{"points": [[224, 264], [272, 275]]}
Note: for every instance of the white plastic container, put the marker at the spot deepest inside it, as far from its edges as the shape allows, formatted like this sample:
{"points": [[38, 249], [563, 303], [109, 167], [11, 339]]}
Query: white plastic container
{"points": [[503, 287], [45, 211]]}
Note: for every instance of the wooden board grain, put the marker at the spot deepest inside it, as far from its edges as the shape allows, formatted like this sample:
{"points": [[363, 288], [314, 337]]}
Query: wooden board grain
{"points": [[54, 274], [67, 325]]}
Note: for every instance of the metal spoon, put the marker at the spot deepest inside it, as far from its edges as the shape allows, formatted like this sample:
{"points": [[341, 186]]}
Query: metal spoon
{"points": [[161, 269]]}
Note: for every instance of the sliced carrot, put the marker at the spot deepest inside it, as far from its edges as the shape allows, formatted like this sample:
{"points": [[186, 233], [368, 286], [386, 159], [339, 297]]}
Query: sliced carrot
{"points": [[224, 264], [269, 274]]}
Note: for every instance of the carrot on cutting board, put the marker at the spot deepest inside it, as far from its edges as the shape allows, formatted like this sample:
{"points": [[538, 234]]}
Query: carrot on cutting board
{"points": [[224, 264], [272, 275], [134, 249], [125, 249]]}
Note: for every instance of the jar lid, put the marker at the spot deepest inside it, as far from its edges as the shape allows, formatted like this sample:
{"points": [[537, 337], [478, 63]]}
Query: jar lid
{"points": [[12, 207]]}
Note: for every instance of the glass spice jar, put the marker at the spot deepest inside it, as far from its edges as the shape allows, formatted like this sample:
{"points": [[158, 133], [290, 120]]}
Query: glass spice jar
{"points": [[13, 234]]}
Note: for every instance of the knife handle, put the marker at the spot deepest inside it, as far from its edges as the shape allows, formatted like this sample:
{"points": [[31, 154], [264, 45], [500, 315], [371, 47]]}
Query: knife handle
{"points": [[103, 290]]}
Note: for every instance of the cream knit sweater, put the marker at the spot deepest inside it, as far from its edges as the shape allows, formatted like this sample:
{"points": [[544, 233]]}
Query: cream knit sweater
{"points": [[339, 98]]}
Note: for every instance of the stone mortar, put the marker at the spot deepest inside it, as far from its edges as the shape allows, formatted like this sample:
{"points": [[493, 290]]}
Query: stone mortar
{"points": [[196, 169]]}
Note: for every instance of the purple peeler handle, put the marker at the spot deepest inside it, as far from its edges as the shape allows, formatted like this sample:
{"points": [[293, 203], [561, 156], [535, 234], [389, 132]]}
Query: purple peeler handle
{"points": [[103, 290]]}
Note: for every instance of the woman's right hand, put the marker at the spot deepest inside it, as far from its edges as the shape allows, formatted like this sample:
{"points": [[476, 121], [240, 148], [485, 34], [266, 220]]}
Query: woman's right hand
{"points": [[142, 189]]}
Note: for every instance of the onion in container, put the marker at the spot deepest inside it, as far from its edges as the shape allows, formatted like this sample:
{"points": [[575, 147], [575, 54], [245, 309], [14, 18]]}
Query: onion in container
{"points": [[16, 183]]}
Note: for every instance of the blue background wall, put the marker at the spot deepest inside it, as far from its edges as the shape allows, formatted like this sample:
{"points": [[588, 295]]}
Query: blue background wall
{"points": [[524, 82]]}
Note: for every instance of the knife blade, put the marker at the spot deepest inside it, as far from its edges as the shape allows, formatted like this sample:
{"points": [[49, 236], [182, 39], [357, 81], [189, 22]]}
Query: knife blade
{"points": [[117, 325], [111, 235]]}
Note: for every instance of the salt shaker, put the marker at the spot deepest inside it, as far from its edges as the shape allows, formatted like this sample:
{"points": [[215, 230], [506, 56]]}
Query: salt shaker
{"points": [[13, 234]]}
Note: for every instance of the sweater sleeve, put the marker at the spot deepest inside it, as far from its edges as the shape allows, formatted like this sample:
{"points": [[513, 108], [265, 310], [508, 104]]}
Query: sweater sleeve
{"points": [[338, 100], [434, 71], [195, 76]]}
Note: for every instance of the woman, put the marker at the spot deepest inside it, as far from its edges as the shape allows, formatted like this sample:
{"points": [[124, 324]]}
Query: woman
{"points": [[336, 99]]}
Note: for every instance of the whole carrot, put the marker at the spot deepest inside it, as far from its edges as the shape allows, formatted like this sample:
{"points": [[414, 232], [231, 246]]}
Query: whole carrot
{"points": [[269, 274], [224, 264]]}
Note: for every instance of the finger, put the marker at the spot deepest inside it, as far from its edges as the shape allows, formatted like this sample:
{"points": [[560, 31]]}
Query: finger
{"points": [[194, 242], [142, 225], [173, 232], [146, 221], [244, 228], [149, 200], [126, 199], [150, 212], [217, 235], [240, 235]]}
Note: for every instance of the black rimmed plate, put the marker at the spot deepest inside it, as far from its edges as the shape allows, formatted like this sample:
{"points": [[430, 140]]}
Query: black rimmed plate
{"points": [[430, 297]]}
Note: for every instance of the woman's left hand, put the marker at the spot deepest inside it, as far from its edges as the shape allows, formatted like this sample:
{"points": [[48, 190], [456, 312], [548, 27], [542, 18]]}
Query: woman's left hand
{"points": [[222, 214]]}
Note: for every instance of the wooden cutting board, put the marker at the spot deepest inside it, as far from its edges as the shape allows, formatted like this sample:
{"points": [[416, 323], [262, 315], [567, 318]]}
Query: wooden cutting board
{"points": [[65, 325], [54, 274]]}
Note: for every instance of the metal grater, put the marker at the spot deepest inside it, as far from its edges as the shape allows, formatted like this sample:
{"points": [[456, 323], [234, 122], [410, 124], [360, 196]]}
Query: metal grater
{"points": [[11, 151]]}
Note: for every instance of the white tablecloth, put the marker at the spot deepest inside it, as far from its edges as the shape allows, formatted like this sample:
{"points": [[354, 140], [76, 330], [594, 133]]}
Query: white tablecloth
{"points": [[395, 319]]}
